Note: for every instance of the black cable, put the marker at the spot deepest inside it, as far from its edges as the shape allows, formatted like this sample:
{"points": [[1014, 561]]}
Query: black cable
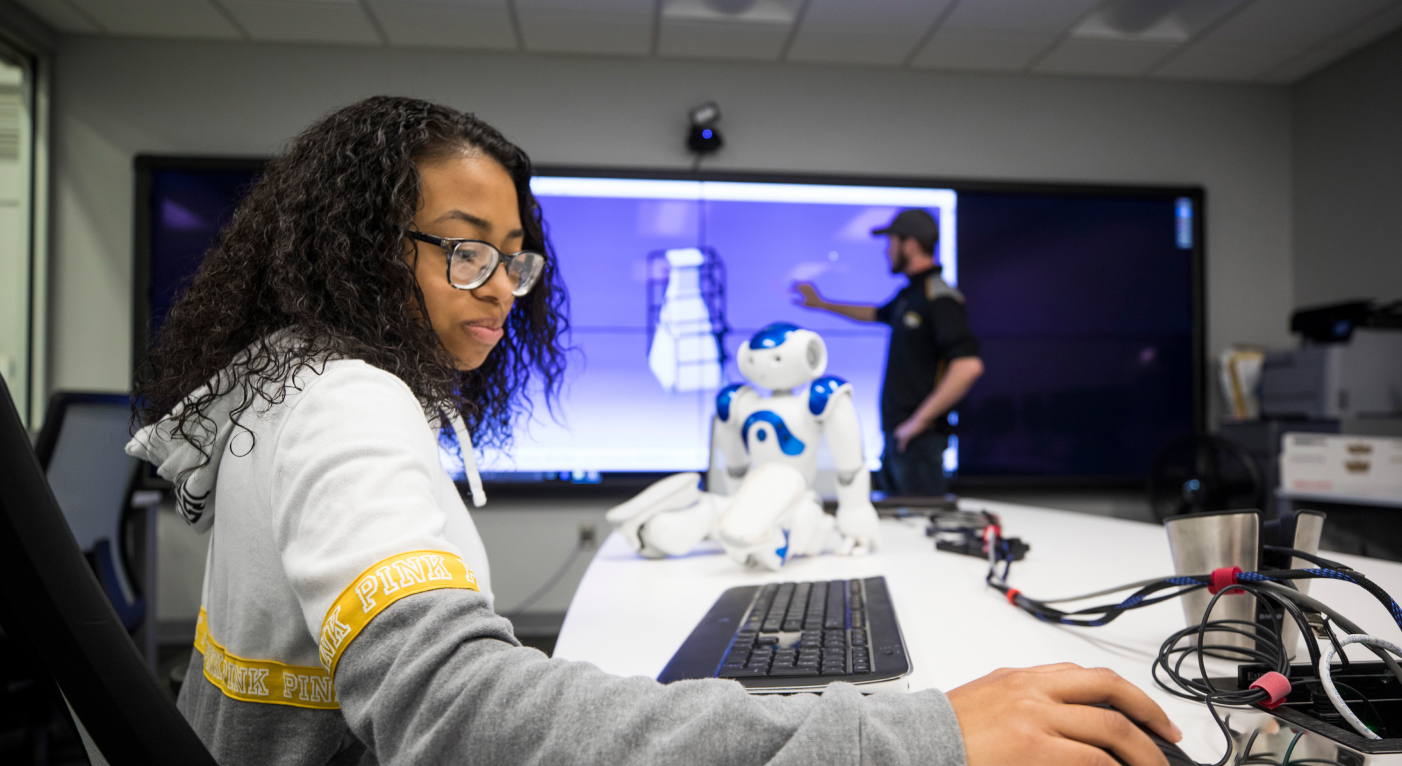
{"points": [[549, 584]]}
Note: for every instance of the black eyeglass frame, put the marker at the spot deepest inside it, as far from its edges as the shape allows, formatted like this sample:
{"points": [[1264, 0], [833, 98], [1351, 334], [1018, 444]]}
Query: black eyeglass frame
{"points": [[449, 244]]}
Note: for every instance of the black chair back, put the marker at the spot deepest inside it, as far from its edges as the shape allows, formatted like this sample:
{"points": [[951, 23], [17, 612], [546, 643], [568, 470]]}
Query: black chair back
{"points": [[50, 598]]}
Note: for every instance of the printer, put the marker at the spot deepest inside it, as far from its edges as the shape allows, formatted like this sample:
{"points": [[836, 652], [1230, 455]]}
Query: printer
{"points": [[1348, 366]]}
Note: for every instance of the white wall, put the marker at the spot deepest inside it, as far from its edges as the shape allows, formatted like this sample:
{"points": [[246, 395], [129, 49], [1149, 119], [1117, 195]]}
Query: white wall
{"points": [[1348, 178], [116, 98]]}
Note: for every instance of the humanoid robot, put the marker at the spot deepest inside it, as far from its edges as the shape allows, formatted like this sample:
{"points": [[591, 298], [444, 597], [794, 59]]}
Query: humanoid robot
{"points": [[770, 446]]}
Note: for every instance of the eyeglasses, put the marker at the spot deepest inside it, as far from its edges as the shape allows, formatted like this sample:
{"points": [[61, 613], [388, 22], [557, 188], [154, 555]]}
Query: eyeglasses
{"points": [[471, 262]]}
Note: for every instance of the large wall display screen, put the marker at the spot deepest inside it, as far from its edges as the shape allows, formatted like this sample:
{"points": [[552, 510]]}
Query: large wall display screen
{"points": [[1085, 302]]}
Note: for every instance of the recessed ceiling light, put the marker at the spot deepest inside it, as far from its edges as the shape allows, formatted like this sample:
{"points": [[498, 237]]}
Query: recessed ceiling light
{"points": [[745, 11]]}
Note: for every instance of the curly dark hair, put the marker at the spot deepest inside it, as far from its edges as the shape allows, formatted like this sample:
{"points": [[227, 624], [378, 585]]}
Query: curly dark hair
{"points": [[315, 254]]}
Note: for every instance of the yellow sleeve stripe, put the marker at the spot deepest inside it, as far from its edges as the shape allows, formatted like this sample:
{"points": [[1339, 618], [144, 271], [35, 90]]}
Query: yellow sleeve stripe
{"points": [[263, 680], [381, 585]]}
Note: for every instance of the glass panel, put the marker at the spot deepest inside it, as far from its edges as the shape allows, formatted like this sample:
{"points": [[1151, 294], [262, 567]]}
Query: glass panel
{"points": [[16, 198]]}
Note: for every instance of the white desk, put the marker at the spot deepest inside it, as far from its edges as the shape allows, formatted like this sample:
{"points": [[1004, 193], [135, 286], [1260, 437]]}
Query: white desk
{"points": [[630, 614]]}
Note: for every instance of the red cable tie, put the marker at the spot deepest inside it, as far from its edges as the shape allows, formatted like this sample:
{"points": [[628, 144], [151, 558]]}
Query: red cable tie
{"points": [[1012, 596], [1224, 577], [1274, 684]]}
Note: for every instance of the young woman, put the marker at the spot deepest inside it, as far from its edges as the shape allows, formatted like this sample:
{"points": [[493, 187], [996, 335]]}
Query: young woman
{"points": [[389, 275]]}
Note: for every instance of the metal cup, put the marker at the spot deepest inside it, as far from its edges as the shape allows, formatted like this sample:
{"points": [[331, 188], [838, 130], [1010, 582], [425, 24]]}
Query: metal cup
{"points": [[1202, 542], [1309, 525]]}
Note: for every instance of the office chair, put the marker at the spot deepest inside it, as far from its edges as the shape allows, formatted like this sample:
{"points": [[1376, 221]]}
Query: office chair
{"points": [[50, 598], [81, 451]]}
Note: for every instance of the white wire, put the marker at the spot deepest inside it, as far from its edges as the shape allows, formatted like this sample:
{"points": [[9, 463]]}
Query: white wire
{"points": [[1328, 682]]}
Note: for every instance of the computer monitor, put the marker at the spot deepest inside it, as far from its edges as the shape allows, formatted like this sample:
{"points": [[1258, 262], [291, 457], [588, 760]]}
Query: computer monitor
{"points": [[1087, 301]]}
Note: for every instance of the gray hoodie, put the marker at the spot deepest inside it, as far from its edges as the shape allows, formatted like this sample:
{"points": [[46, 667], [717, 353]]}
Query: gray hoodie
{"points": [[347, 617]]}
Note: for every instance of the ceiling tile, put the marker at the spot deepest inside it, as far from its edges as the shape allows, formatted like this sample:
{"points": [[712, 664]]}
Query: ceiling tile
{"points": [[1226, 62], [309, 21], [1109, 58], [1294, 23], [980, 51], [159, 18], [872, 32], [61, 16], [1021, 16], [695, 38], [477, 24], [587, 26], [1337, 47]]}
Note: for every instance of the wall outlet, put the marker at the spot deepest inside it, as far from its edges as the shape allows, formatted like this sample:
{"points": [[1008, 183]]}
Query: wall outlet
{"points": [[587, 536]]}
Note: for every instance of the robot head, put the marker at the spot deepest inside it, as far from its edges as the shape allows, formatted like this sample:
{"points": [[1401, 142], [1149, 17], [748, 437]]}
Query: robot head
{"points": [[783, 356]]}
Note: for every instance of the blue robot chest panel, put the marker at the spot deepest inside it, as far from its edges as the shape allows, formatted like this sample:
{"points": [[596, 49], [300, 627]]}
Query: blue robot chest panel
{"points": [[767, 424]]}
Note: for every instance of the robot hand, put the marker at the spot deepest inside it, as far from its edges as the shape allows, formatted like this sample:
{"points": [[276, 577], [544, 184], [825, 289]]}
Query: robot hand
{"points": [[856, 516], [856, 522]]}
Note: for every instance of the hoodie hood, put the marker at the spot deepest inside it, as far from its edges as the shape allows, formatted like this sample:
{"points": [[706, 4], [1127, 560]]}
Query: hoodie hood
{"points": [[181, 458]]}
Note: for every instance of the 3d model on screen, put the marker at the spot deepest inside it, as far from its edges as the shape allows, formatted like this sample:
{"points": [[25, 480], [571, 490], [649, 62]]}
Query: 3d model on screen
{"points": [[685, 354], [770, 445]]}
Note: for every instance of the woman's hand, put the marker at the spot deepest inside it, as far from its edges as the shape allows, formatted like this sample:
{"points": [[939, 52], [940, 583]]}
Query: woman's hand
{"points": [[1043, 715]]}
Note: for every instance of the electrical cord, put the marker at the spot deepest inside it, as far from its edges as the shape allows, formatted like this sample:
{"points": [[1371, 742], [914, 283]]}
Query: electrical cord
{"points": [[1326, 680], [548, 586], [1267, 650], [1272, 588], [1339, 619]]}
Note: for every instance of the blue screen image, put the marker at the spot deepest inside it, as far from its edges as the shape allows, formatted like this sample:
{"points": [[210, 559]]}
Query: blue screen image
{"points": [[616, 415]]}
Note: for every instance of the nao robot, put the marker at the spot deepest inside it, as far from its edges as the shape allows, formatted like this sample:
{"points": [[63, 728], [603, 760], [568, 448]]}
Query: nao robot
{"points": [[770, 444]]}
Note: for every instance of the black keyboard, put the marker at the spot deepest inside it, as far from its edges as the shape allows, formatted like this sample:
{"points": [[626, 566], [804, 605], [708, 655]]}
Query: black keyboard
{"points": [[796, 637]]}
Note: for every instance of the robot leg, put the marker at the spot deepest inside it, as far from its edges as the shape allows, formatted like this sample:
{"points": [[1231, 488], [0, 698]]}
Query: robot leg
{"points": [[856, 517], [752, 529], [810, 527], [674, 493]]}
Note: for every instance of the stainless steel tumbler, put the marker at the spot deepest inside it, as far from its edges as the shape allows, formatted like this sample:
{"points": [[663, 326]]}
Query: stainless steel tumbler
{"points": [[1202, 542]]}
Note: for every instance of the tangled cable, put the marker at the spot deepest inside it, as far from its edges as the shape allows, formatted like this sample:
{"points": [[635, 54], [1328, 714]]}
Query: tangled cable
{"points": [[1275, 590]]}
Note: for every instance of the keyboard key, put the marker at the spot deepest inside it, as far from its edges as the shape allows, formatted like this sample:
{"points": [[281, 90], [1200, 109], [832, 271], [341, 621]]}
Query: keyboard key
{"points": [[834, 670], [792, 626], [767, 640], [787, 672], [743, 672]]}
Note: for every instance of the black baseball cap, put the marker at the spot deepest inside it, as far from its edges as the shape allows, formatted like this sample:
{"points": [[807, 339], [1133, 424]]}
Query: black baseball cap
{"points": [[913, 223]]}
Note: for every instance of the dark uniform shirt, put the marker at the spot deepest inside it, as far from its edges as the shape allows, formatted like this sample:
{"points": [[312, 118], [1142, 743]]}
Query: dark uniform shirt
{"points": [[929, 327]]}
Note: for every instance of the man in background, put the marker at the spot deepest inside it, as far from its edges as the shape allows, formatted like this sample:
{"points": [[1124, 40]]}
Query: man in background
{"points": [[932, 360]]}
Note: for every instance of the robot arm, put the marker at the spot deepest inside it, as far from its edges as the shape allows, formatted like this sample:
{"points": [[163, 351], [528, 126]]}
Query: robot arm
{"points": [[733, 405], [830, 400]]}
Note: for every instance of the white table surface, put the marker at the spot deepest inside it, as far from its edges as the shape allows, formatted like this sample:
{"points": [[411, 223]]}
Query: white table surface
{"points": [[630, 614]]}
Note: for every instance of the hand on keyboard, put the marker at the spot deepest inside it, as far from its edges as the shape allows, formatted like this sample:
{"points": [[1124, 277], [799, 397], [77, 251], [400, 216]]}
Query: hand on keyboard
{"points": [[1041, 715]]}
